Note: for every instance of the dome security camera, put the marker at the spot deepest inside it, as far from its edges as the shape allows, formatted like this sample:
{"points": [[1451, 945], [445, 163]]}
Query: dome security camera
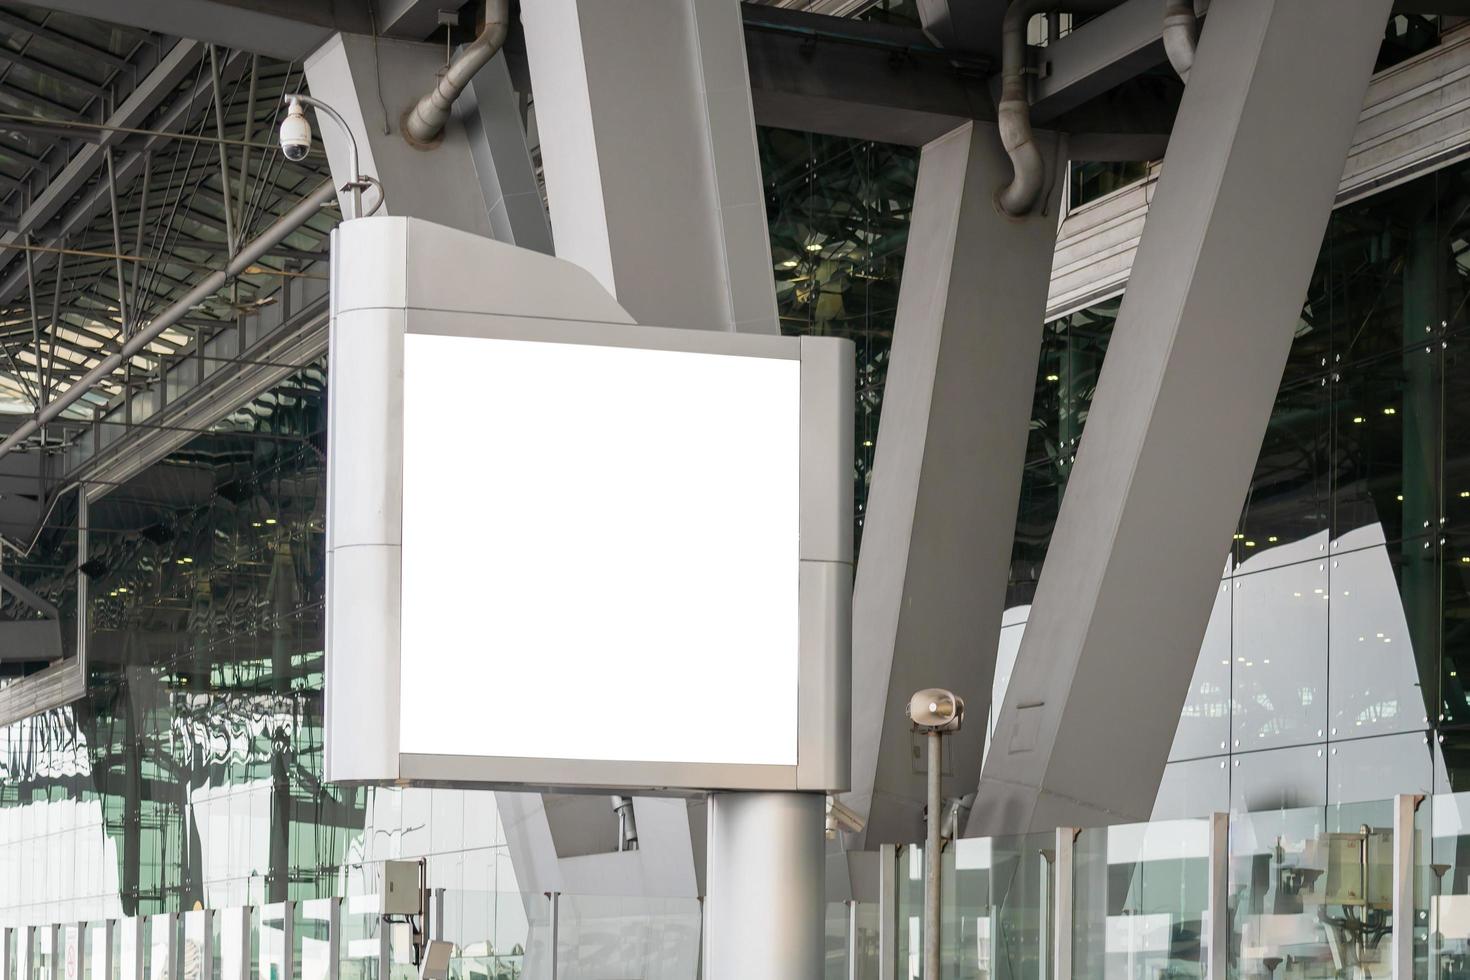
{"points": [[295, 133], [936, 710]]}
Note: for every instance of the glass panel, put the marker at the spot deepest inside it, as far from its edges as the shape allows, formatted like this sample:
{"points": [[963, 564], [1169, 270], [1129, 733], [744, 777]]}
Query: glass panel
{"points": [[835, 925], [1022, 888], [313, 938], [198, 944], [1204, 722], [1374, 661], [1286, 511], [1280, 656], [632, 937], [1385, 447], [362, 937], [1140, 901], [271, 941]]}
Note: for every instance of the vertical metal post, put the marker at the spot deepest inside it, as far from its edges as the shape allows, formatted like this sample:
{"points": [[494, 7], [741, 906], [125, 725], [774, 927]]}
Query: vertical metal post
{"points": [[334, 939], [81, 951], [109, 932], [49, 381], [122, 296], [249, 134], [1044, 904], [887, 911], [1062, 904], [83, 556], [385, 956], [555, 932], [1219, 896], [7, 953], [852, 940], [206, 948], [40, 389], [27, 951], [57, 967], [224, 159], [933, 858], [288, 939], [138, 234], [438, 924], [766, 885], [1404, 806]]}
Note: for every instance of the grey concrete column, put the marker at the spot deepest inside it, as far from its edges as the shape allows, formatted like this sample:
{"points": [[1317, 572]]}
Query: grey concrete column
{"points": [[765, 911], [1180, 412], [478, 179], [940, 519], [648, 147]]}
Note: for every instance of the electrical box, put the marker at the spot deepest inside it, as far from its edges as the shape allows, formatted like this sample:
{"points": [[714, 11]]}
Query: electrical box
{"points": [[401, 888]]}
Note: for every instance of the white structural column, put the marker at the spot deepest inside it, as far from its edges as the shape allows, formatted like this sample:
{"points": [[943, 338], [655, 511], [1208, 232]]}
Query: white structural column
{"points": [[475, 179], [648, 145], [765, 906], [1180, 410], [941, 509]]}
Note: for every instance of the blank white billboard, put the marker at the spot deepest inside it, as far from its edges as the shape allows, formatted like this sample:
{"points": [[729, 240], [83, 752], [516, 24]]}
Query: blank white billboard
{"points": [[600, 552], [566, 551]]}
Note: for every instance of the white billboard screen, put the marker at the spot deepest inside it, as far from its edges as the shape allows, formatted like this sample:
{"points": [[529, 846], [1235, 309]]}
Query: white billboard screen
{"points": [[600, 551]]}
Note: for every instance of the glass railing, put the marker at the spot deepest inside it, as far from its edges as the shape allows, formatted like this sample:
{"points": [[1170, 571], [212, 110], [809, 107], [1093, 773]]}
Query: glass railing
{"points": [[1354, 891]]}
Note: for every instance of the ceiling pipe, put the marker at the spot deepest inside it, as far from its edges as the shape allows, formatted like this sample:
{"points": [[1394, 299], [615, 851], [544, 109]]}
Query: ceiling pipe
{"points": [[424, 123], [1181, 35], [247, 256], [1013, 113]]}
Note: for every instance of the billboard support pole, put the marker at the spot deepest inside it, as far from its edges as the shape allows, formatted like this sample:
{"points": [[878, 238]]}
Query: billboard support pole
{"points": [[767, 889]]}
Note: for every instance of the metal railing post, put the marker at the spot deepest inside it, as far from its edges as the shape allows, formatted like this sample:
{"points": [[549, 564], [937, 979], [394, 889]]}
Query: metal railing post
{"points": [[334, 939], [1062, 904], [887, 911], [1404, 807], [852, 940], [555, 931], [1219, 897], [288, 939]]}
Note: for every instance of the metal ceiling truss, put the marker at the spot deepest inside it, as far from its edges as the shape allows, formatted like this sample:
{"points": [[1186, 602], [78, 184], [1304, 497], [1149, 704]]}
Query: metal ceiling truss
{"points": [[131, 165]]}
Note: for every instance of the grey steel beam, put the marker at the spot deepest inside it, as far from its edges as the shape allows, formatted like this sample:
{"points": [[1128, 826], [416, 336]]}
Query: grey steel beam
{"points": [[940, 519], [412, 20], [673, 222], [867, 81], [1103, 53], [1180, 410], [285, 29]]}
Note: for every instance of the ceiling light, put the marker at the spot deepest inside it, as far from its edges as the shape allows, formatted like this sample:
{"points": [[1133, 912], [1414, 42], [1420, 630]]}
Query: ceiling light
{"points": [[789, 264], [270, 520], [1358, 419], [1390, 411], [1053, 377], [814, 247]]}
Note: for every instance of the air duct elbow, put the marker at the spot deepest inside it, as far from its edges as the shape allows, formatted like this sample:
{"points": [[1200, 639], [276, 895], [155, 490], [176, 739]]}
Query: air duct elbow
{"points": [[424, 123], [1013, 114], [1181, 35]]}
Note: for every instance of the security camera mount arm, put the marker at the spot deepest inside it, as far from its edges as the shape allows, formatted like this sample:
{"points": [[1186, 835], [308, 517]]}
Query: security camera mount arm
{"points": [[360, 181]]}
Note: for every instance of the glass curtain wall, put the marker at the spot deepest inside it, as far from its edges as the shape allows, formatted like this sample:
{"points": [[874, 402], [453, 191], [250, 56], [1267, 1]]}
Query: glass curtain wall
{"points": [[839, 214], [1333, 657]]}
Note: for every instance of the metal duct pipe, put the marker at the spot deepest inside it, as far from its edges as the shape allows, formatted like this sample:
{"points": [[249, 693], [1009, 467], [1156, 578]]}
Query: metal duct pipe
{"points": [[425, 121], [134, 345], [1013, 113], [1181, 35]]}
